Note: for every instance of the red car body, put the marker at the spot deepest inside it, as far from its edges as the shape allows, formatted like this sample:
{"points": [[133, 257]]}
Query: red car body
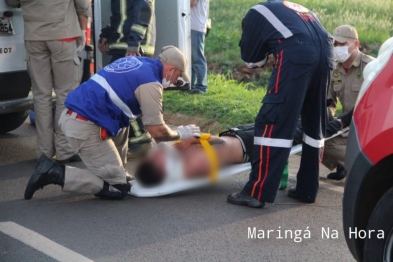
{"points": [[369, 156]]}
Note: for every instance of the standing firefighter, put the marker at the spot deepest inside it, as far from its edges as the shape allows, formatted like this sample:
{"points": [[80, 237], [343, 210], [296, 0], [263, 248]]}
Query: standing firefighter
{"points": [[131, 30], [302, 50]]}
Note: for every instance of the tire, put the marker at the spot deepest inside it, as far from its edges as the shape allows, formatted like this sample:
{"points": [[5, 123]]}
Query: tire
{"points": [[12, 121], [381, 219]]}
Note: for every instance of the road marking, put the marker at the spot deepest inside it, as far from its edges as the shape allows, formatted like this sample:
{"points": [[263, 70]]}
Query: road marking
{"points": [[41, 243]]}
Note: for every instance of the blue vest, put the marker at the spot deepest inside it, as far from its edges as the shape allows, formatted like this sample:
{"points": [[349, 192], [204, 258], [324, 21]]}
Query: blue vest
{"points": [[108, 99]]}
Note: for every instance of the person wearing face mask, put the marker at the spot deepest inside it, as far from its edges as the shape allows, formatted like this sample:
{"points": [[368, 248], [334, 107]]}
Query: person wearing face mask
{"points": [[96, 118], [347, 78], [303, 54]]}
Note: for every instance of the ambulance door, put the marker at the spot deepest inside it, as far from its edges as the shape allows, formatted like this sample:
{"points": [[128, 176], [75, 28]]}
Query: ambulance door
{"points": [[172, 27]]}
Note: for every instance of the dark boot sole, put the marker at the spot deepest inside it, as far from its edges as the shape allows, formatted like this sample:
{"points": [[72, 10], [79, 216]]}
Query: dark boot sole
{"points": [[295, 196], [336, 178], [245, 203]]}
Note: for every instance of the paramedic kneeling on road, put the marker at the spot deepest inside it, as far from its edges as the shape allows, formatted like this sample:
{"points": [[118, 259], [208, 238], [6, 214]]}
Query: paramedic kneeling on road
{"points": [[302, 49], [96, 119]]}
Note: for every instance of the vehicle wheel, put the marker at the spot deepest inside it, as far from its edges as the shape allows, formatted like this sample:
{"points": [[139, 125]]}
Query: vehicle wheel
{"points": [[11, 121], [381, 219]]}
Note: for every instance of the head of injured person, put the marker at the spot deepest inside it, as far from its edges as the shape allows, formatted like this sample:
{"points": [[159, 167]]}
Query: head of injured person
{"points": [[165, 163]]}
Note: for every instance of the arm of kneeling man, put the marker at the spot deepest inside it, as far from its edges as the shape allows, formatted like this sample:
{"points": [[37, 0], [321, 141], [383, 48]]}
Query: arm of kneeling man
{"points": [[150, 99]]}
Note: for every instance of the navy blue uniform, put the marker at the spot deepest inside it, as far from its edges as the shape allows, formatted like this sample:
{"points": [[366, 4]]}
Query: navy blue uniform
{"points": [[302, 50], [132, 24]]}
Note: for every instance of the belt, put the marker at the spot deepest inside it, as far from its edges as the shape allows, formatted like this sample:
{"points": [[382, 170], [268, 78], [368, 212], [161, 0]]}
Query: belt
{"points": [[103, 132], [77, 116]]}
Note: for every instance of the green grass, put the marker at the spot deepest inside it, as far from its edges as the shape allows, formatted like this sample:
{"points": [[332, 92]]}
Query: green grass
{"points": [[372, 18], [231, 103], [228, 102]]}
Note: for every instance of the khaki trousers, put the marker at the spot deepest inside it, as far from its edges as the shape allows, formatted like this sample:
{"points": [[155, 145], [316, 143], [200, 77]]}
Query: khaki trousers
{"points": [[51, 64], [334, 152], [104, 159]]}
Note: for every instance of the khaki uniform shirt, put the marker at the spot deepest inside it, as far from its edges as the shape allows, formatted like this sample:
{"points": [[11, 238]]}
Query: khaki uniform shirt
{"points": [[149, 97], [345, 86], [52, 20]]}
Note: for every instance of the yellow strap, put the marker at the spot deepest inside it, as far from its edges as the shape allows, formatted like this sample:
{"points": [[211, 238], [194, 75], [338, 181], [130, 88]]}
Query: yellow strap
{"points": [[211, 155]]}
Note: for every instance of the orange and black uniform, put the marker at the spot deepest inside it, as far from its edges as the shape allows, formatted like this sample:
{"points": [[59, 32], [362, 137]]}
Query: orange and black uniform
{"points": [[302, 50]]}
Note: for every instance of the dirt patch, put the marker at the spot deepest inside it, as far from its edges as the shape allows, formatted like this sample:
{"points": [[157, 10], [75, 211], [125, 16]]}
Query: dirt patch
{"points": [[208, 126], [244, 74]]}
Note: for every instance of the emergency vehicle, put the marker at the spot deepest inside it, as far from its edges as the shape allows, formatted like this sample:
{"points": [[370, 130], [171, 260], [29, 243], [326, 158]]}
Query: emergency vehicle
{"points": [[16, 100], [368, 193], [15, 84]]}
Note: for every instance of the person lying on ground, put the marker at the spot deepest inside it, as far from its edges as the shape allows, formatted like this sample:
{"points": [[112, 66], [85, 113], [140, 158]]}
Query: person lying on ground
{"points": [[188, 159]]}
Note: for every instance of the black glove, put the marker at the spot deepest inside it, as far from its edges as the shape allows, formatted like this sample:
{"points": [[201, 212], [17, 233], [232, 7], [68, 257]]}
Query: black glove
{"points": [[332, 128], [346, 118], [106, 32]]}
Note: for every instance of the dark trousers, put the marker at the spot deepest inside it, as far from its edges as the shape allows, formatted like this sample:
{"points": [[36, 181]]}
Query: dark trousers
{"points": [[117, 56], [120, 53], [298, 86]]}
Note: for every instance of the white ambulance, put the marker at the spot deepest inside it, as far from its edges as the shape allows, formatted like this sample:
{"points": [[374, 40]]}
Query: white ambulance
{"points": [[173, 28], [15, 84]]}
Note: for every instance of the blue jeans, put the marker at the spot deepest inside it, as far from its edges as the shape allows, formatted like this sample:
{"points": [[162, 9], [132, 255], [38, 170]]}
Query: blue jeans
{"points": [[199, 66]]}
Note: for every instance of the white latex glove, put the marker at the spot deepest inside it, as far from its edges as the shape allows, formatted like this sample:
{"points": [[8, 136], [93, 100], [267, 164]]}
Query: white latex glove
{"points": [[186, 132], [81, 41]]}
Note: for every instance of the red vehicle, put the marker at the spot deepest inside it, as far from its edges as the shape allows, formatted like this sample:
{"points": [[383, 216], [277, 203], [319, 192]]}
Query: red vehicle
{"points": [[368, 194]]}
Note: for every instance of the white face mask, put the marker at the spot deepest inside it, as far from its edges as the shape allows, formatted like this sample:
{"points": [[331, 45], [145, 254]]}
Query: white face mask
{"points": [[166, 83], [341, 53]]}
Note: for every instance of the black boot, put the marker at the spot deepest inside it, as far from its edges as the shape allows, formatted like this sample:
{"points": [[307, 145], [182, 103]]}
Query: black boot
{"points": [[242, 198], [106, 193], [46, 172], [339, 175], [293, 194]]}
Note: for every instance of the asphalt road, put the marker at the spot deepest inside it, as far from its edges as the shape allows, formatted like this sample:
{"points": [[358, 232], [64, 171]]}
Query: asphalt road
{"points": [[197, 225]]}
